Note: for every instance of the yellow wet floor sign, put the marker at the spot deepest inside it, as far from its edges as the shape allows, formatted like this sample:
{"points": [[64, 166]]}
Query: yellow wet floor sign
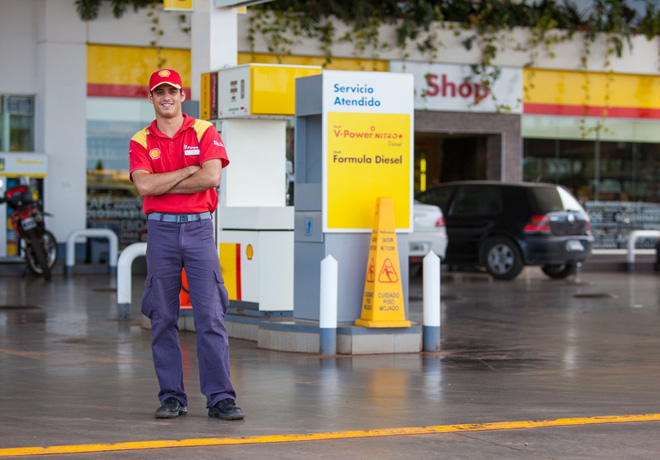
{"points": [[382, 303]]}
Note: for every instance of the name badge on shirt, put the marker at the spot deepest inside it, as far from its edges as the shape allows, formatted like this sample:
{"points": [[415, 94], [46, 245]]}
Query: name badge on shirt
{"points": [[192, 152]]}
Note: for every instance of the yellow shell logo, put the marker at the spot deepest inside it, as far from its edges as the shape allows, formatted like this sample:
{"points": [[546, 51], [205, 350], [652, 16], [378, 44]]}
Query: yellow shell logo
{"points": [[154, 153], [164, 73]]}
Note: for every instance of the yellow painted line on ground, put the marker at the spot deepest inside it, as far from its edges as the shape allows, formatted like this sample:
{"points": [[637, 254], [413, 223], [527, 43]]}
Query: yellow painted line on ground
{"points": [[207, 442]]}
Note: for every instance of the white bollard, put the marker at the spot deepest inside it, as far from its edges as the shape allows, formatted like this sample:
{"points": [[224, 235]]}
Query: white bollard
{"points": [[91, 233], [124, 276], [632, 238], [328, 313], [431, 302]]}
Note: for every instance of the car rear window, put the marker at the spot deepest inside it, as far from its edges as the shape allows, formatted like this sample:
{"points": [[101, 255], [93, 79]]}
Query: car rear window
{"points": [[554, 199], [477, 200], [437, 196]]}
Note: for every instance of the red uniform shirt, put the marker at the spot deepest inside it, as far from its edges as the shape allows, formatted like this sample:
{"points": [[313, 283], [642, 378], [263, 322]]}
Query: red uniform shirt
{"points": [[196, 142]]}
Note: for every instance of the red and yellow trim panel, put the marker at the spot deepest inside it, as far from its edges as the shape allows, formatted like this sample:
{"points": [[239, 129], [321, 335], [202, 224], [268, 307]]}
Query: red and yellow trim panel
{"points": [[123, 71], [591, 94]]}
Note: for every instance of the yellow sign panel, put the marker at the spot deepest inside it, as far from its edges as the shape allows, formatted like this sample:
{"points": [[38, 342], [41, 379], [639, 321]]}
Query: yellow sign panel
{"points": [[127, 66], [382, 303], [177, 5], [368, 156], [230, 264], [273, 88], [567, 87], [259, 89]]}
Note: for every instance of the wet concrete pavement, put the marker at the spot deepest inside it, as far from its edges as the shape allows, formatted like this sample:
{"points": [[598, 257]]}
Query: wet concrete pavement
{"points": [[533, 349]]}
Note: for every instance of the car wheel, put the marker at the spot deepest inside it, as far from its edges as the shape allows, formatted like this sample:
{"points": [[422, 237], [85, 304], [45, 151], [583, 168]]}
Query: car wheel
{"points": [[559, 270], [502, 258]]}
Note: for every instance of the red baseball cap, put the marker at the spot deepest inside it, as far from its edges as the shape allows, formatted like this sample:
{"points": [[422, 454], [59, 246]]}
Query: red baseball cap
{"points": [[165, 76]]}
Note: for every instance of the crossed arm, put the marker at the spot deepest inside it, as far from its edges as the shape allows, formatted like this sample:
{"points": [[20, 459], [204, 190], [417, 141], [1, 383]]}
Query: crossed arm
{"points": [[188, 180]]}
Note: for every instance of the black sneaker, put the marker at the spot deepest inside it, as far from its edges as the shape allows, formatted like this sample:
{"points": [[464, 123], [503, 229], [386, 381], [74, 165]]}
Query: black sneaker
{"points": [[226, 410], [171, 408]]}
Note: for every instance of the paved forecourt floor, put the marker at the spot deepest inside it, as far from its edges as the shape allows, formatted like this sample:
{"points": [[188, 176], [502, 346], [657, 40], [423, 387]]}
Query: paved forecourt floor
{"points": [[529, 368]]}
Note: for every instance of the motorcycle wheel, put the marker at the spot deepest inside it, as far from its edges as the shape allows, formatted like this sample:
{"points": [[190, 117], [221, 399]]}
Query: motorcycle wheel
{"points": [[41, 254]]}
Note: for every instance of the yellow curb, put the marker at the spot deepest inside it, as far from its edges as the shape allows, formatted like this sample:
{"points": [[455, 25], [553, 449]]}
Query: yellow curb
{"points": [[517, 425]]}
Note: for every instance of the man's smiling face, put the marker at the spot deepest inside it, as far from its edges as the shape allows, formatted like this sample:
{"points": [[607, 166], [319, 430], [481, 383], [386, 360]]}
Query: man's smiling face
{"points": [[167, 101]]}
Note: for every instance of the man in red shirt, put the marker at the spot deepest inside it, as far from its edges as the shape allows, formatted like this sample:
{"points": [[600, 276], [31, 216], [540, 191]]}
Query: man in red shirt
{"points": [[176, 164]]}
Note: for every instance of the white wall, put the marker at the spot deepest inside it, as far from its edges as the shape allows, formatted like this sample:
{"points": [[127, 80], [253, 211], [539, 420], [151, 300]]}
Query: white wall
{"points": [[214, 35], [18, 53], [644, 58], [61, 124], [134, 29], [44, 53]]}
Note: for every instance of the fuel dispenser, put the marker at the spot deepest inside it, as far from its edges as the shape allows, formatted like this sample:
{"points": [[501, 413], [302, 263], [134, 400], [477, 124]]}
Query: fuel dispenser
{"points": [[18, 168], [354, 147], [250, 105]]}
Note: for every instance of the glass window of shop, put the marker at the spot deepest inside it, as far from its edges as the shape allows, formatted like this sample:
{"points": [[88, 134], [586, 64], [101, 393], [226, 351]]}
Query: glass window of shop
{"points": [[112, 200], [617, 181], [16, 123], [596, 170]]}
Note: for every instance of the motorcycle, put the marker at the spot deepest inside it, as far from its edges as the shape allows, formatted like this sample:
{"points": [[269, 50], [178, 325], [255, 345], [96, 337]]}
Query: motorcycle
{"points": [[28, 221]]}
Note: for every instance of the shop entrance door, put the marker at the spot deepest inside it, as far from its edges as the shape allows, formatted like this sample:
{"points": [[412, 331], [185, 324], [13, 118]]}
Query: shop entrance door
{"points": [[441, 157]]}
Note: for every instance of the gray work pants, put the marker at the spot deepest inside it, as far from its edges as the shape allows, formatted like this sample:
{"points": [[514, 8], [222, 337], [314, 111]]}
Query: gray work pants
{"points": [[171, 246]]}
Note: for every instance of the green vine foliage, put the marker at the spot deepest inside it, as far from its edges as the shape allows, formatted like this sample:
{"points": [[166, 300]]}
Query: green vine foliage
{"points": [[88, 10], [486, 18], [485, 25], [280, 19]]}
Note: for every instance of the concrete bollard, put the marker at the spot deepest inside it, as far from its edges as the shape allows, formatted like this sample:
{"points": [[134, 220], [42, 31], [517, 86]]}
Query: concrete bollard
{"points": [[431, 302], [124, 276], [328, 313]]}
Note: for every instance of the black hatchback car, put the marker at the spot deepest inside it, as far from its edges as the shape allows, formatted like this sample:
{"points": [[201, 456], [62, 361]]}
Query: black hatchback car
{"points": [[505, 226]]}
